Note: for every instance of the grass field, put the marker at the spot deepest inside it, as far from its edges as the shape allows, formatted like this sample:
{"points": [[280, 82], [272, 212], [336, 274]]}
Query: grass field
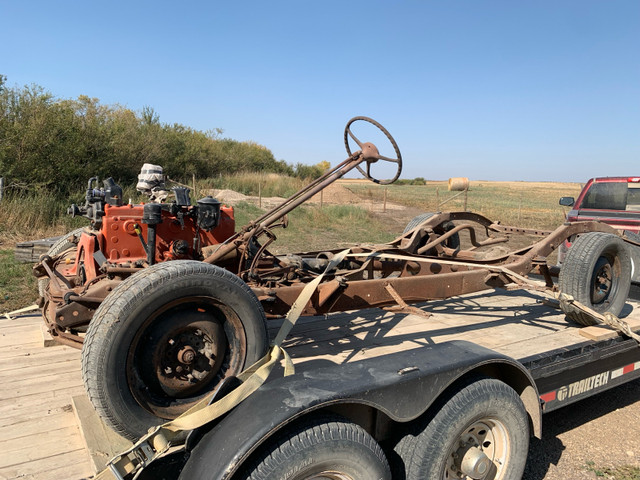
{"points": [[526, 204]]}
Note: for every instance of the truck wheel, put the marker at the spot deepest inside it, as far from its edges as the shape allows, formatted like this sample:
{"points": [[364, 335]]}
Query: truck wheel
{"points": [[481, 432], [330, 448], [65, 242], [597, 273], [164, 338], [452, 242]]}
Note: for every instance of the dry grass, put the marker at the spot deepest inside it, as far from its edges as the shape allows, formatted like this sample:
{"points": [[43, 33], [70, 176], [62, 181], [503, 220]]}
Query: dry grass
{"points": [[29, 217], [254, 183], [525, 204], [314, 228], [18, 286]]}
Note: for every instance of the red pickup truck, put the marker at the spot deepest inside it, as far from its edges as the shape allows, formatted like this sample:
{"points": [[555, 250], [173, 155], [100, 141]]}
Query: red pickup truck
{"points": [[611, 200]]}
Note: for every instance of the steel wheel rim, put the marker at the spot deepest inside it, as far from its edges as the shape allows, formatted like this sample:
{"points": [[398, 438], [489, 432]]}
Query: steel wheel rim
{"points": [[484, 445], [603, 281], [218, 350]]}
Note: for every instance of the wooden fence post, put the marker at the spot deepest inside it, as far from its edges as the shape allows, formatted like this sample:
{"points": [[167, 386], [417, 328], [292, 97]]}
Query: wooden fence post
{"points": [[384, 207]]}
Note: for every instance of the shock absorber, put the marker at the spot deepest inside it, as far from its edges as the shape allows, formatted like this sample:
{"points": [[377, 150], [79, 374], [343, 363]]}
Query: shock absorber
{"points": [[152, 216]]}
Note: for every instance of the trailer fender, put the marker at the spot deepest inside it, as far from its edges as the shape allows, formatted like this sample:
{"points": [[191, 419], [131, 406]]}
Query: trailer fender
{"points": [[400, 386]]}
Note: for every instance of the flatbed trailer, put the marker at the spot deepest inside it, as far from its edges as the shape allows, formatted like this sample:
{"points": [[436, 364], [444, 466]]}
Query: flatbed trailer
{"points": [[388, 375], [515, 324], [169, 334]]}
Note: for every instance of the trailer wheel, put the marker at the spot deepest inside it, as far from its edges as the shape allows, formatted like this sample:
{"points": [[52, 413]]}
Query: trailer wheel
{"points": [[451, 242], [327, 448], [597, 273], [480, 432], [63, 243], [164, 338]]}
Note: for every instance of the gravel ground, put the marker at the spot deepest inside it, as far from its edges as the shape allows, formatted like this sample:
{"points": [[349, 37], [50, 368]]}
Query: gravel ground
{"points": [[602, 429]]}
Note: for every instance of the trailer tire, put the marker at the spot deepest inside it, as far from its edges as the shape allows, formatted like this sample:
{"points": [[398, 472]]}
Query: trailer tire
{"points": [[328, 447], [480, 430], [65, 242], [164, 338], [597, 273], [444, 227]]}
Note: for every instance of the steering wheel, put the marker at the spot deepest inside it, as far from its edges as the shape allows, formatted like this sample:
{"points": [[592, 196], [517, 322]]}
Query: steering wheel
{"points": [[370, 151]]}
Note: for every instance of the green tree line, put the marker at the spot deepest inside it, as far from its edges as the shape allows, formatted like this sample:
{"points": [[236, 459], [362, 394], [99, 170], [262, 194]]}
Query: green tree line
{"points": [[55, 144]]}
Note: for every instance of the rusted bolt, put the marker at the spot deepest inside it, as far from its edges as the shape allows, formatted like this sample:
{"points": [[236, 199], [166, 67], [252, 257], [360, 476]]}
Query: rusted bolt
{"points": [[186, 355]]}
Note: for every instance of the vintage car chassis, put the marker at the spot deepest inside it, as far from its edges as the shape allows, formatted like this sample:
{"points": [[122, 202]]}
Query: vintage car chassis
{"points": [[160, 337]]}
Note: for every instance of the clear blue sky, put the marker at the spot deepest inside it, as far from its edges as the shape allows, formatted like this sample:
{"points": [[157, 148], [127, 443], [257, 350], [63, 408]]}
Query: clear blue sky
{"points": [[490, 90]]}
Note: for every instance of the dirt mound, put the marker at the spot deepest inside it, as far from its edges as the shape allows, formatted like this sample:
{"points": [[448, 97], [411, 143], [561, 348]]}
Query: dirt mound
{"points": [[334, 194], [231, 197]]}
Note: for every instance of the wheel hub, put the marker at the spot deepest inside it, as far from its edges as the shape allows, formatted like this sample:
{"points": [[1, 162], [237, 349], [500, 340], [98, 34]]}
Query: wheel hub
{"points": [[475, 463], [602, 281], [479, 452], [186, 355]]}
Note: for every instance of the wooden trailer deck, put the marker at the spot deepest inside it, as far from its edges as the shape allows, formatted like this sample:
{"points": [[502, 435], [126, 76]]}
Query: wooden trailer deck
{"points": [[39, 434]]}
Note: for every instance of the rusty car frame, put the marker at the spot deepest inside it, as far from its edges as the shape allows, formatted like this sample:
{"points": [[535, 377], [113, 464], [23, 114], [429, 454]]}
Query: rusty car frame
{"points": [[167, 334]]}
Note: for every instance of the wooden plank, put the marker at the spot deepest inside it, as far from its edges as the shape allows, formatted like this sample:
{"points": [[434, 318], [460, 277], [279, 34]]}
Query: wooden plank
{"points": [[17, 351], [25, 334], [28, 406], [30, 251], [43, 358], [552, 341], [39, 371], [33, 386], [73, 465], [33, 424], [598, 332], [38, 446], [101, 442], [13, 325]]}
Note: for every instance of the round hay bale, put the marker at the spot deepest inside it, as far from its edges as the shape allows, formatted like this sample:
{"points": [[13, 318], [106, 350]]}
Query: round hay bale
{"points": [[458, 184]]}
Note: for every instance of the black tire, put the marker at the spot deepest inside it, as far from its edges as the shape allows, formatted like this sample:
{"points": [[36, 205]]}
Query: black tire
{"points": [[482, 431], [597, 273], [452, 242], [70, 240], [327, 447], [164, 338]]}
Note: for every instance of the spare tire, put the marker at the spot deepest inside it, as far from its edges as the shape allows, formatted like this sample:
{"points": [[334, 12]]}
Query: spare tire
{"points": [[597, 273], [166, 337]]}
